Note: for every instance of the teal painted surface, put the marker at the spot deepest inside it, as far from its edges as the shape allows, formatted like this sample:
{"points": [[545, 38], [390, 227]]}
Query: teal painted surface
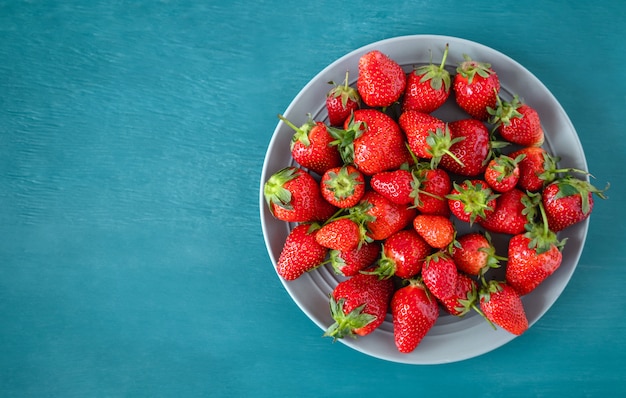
{"points": [[132, 136]]}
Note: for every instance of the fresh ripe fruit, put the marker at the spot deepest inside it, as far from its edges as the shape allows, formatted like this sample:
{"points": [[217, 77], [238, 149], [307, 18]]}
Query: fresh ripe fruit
{"points": [[402, 255], [530, 263], [430, 188], [502, 173], [381, 80], [437, 231], [311, 146], [343, 186], [464, 297], [502, 306], [379, 144], [476, 87], [440, 275], [471, 200], [427, 87], [474, 254], [382, 217], [517, 122], [293, 195], [427, 136], [414, 313], [359, 305], [536, 169], [341, 101], [568, 201], [396, 185], [301, 253], [352, 262], [513, 210], [472, 152], [340, 234]]}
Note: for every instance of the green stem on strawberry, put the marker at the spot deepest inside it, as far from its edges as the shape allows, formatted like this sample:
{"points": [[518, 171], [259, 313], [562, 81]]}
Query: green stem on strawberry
{"points": [[345, 324], [439, 143]]}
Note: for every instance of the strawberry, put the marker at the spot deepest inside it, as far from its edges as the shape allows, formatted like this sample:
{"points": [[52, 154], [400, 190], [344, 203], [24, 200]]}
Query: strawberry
{"points": [[381, 80], [440, 275], [476, 87], [359, 305], [427, 87], [293, 195], [471, 200], [470, 154], [513, 210], [396, 185], [501, 305], [402, 255], [502, 173], [341, 234], [382, 217], [352, 262], [430, 187], [437, 231], [427, 136], [464, 297], [374, 142], [300, 253], [341, 101], [568, 201], [474, 254], [414, 314], [343, 186], [533, 257], [517, 122], [311, 146], [536, 169]]}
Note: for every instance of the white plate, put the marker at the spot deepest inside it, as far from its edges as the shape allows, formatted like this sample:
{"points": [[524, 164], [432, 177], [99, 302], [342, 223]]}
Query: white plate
{"points": [[452, 338]]}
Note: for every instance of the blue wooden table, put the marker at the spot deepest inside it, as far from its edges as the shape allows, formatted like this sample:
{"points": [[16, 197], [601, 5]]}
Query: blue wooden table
{"points": [[132, 137]]}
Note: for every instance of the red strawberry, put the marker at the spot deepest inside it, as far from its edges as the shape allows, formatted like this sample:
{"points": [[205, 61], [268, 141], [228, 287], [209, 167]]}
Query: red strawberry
{"points": [[301, 253], [471, 200], [427, 136], [474, 254], [430, 188], [311, 146], [402, 255], [341, 101], [502, 173], [471, 153], [341, 234], [537, 168], [427, 87], [343, 186], [517, 122], [293, 195], [513, 210], [352, 262], [440, 275], [379, 144], [382, 217], [501, 305], [437, 231], [464, 297], [359, 305], [396, 185], [532, 258], [568, 201], [476, 86], [381, 80], [414, 314]]}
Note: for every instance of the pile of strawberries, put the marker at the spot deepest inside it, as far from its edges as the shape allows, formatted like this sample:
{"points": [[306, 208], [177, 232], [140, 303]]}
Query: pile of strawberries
{"points": [[381, 190]]}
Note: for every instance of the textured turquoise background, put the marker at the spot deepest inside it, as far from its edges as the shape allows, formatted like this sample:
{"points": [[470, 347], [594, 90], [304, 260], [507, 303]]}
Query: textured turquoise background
{"points": [[132, 136]]}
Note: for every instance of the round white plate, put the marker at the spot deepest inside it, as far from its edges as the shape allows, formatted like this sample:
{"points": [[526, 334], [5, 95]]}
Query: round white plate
{"points": [[452, 338]]}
